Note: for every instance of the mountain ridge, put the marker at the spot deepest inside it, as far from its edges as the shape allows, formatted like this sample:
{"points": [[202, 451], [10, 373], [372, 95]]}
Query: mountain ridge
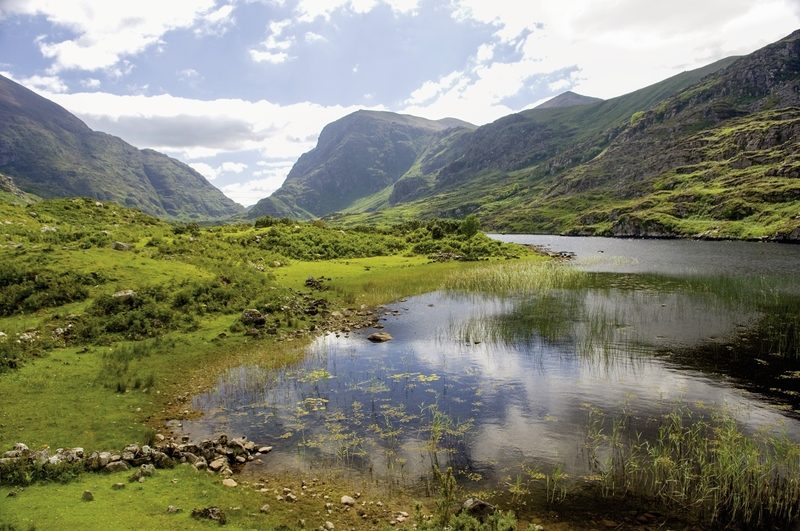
{"points": [[356, 156], [710, 152], [568, 99], [49, 152]]}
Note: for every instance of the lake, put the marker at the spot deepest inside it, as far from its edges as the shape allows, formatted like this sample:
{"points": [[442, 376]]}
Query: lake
{"points": [[496, 385]]}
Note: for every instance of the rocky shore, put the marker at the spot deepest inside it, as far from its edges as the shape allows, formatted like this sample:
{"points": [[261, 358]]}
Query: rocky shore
{"points": [[220, 455]]}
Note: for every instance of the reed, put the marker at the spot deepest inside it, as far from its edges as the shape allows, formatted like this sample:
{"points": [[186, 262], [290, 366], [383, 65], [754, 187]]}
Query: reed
{"points": [[703, 467], [520, 278]]}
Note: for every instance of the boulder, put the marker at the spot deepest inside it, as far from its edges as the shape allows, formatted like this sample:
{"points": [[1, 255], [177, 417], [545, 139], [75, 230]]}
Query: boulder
{"points": [[217, 464], [379, 337], [349, 501], [228, 482], [214, 514], [120, 246], [478, 508], [253, 317], [116, 466]]}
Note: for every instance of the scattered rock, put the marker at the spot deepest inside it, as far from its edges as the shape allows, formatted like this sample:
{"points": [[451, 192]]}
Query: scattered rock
{"points": [[477, 508], [347, 500], [228, 482], [87, 496], [120, 246], [118, 486], [329, 526], [379, 337], [116, 466], [217, 464], [265, 449], [125, 294], [173, 510], [264, 508], [253, 317], [214, 514]]}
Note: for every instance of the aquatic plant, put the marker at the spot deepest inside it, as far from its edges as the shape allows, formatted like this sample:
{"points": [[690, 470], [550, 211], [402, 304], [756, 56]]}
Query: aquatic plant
{"points": [[705, 467], [517, 278]]}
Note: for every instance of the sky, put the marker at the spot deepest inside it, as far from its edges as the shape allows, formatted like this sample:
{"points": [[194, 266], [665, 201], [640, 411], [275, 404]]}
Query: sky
{"points": [[239, 89]]}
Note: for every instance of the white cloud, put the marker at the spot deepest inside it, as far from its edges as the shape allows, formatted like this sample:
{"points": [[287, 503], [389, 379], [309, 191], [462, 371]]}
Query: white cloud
{"points": [[260, 56], [232, 167], [193, 129], [216, 22], [602, 49], [41, 84], [206, 170], [210, 172], [90, 82], [273, 48], [311, 37], [267, 181], [105, 32]]}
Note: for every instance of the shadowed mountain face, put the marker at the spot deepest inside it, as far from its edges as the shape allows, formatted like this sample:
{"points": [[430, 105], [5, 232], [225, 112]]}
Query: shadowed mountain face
{"points": [[355, 157], [49, 152], [711, 152]]}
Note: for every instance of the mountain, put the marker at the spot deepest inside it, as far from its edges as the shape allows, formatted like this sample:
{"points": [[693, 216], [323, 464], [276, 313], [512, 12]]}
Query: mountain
{"points": [[712, 152], [567, 99], [355, 157], [51, 153]]}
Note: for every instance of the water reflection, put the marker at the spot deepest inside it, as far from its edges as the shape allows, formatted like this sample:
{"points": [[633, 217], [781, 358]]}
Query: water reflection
{"points": [[517, 377]]}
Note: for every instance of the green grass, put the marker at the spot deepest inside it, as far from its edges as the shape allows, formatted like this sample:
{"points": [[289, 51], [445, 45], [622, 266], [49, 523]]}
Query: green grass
{"points": [[705, 467]]}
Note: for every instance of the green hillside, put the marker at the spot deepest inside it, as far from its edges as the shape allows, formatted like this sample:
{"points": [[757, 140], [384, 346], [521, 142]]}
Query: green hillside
{"points": [[49, 152]]}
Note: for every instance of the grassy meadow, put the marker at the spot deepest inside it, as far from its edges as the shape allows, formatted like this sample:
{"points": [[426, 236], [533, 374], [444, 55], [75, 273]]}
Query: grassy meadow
{"points": [[112, 320]]}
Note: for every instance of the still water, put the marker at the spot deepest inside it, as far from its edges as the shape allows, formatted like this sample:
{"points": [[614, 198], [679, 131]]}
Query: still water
{"points": [[511, 382]]}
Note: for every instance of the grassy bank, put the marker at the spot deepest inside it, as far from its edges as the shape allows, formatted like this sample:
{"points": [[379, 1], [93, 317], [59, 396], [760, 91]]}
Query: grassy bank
{"points": [[112, 320]]}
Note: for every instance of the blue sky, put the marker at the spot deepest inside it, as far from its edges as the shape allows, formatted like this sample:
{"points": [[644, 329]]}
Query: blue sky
{"points": [[240, 88]]}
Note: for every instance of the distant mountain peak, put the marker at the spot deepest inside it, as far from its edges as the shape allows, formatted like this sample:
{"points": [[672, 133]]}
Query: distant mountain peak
{"points": [[568, 99], [47, 151]]}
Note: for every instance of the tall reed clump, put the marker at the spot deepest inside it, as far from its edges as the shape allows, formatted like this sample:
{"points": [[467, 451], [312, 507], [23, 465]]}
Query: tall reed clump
{"points": [[517, 278], [706, 468]]}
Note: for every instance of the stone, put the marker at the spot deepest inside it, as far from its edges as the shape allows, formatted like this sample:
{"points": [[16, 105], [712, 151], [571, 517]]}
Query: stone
{"points": [[120, 246], [265, 449], [214, 514], [477, 508], [253, 317], [162, 460], [228, 482], [124, 295], [379, 337], [264, 508], [347, 500], [290, 498], [329, 526], [87, 496], [173, 510], [118, 486], [217, 464], [21, 447], [116, 466]]}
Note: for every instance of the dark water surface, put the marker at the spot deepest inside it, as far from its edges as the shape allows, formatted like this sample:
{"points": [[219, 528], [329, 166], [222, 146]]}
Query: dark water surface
{"points": [[510, 382]]}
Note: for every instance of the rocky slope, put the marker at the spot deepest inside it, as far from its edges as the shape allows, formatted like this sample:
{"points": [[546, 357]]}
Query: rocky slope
{"points": [[51, 153], [708, 153], [355, 157]]}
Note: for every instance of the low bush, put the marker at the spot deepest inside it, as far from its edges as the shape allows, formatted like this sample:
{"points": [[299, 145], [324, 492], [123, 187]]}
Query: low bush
{"points": [[24, 289]]}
